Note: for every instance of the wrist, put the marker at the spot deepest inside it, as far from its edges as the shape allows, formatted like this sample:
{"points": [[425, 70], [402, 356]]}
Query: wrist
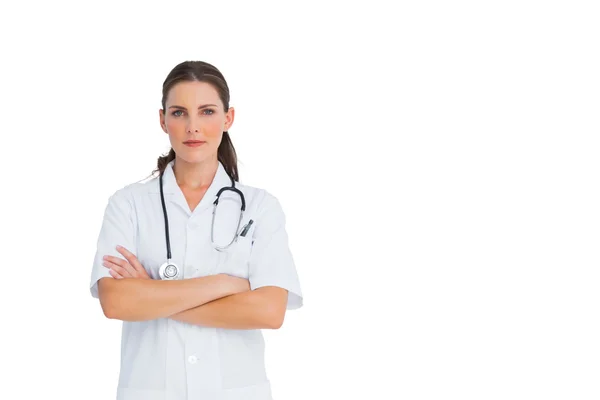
{"points": [[223, 285]]}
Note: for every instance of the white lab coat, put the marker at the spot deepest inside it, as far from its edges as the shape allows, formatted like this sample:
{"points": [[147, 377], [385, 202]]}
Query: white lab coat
{"points": [[170, 360]]}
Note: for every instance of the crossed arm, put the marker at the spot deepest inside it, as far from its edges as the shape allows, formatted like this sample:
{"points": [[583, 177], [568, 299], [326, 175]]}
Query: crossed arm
{"points": [[220, 301], [253, 309]]}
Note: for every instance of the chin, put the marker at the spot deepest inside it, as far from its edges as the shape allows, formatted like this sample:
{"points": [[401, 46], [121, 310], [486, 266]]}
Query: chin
{"points": [[194, 156]]}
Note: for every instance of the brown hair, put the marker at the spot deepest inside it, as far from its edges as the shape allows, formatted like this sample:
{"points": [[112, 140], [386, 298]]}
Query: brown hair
{"points": [[189, 71]]}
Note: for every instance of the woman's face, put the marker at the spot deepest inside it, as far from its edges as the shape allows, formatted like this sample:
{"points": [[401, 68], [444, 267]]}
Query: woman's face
{"points": [[194, 111]]}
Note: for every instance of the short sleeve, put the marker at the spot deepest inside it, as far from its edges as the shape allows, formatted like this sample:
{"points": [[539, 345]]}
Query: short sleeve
{"points": [[117, 229], [271, 261]]}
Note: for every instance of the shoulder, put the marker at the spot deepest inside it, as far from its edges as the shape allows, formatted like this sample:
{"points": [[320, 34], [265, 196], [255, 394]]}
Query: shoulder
{"points": [[264, 207], [129, 193], [260, 199]]}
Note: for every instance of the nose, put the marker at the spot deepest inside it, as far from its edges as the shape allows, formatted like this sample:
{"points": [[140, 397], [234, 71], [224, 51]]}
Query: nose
{"points": [[192, 126]]}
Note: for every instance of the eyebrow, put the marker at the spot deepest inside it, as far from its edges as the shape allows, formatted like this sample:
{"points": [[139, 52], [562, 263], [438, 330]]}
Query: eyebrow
{"points": [[199, 108]]}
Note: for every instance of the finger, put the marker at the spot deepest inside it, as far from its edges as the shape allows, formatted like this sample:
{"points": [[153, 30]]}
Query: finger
{"points": [[121, 271], [131, 258], [129, 271], [115, 274], [119, 266], [131, 263]]}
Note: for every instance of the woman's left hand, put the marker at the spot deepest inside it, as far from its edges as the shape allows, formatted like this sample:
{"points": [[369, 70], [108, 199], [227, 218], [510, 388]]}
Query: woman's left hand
{"points": [[128, 268]]}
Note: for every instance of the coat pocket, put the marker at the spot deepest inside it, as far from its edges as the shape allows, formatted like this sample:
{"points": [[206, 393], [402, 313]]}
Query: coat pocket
{"points": [[236, 258]]}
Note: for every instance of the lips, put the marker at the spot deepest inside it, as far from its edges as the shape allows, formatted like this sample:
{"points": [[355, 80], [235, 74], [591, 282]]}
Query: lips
{"points": [[194, 143]]}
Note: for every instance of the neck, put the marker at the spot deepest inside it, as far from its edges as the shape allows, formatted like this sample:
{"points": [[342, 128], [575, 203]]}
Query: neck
{"points": [[195, 176]]}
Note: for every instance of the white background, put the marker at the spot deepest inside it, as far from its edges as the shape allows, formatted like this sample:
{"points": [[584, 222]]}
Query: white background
{"points": [[437, 162]]}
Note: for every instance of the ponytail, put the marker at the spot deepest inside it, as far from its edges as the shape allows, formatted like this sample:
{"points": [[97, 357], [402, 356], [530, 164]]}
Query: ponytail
{"points": [[162, 161], [228, 157]]}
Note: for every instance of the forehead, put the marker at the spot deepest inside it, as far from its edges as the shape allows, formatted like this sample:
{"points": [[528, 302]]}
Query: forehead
{"points": [[193, 93]]}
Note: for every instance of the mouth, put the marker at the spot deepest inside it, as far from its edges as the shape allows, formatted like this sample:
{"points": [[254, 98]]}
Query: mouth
{"points": [[193, 143]]}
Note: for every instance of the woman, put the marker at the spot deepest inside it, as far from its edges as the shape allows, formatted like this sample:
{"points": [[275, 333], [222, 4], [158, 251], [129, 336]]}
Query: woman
{"points": [[194, 287]]}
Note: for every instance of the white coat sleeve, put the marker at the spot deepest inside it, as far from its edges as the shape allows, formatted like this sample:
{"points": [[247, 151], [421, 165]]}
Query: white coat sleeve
{"points": [[271, 262], [118, 228]]}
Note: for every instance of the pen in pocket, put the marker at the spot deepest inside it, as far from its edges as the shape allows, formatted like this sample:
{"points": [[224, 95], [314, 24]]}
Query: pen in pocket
{"points": [[246, 228]]}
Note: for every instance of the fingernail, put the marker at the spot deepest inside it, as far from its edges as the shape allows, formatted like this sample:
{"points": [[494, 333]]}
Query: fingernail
{"points": [[119, 247]]}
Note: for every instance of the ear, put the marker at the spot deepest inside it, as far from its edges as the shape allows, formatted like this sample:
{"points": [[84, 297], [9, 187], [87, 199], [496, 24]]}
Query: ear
{"points": [[229, 117], [161, 117]]}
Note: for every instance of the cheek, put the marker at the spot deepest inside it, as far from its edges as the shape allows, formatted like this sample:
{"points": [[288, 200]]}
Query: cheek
{"points": [[173, 125], [212, 129]]}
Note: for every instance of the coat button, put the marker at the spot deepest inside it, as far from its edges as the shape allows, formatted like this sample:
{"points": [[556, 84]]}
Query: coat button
{"points": [[192, 359]]}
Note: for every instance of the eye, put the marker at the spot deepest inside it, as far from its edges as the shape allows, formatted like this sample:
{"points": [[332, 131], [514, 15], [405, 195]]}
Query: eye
{"points": [[211, 111], [176, 111]]}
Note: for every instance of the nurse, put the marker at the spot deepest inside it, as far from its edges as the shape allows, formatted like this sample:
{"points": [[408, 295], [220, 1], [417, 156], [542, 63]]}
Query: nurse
{"points": [[194, 334]]}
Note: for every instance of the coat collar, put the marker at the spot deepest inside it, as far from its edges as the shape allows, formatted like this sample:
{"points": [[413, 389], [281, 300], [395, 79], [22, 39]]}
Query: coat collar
{"points": [[173, 192]]}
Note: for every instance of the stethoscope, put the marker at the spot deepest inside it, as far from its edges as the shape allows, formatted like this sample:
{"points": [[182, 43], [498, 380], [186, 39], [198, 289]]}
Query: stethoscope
{"points": [[169, 270]]}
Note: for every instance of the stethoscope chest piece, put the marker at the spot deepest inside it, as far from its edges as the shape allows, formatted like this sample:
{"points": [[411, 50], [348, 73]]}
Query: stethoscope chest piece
{"points": [[168, 271]]}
